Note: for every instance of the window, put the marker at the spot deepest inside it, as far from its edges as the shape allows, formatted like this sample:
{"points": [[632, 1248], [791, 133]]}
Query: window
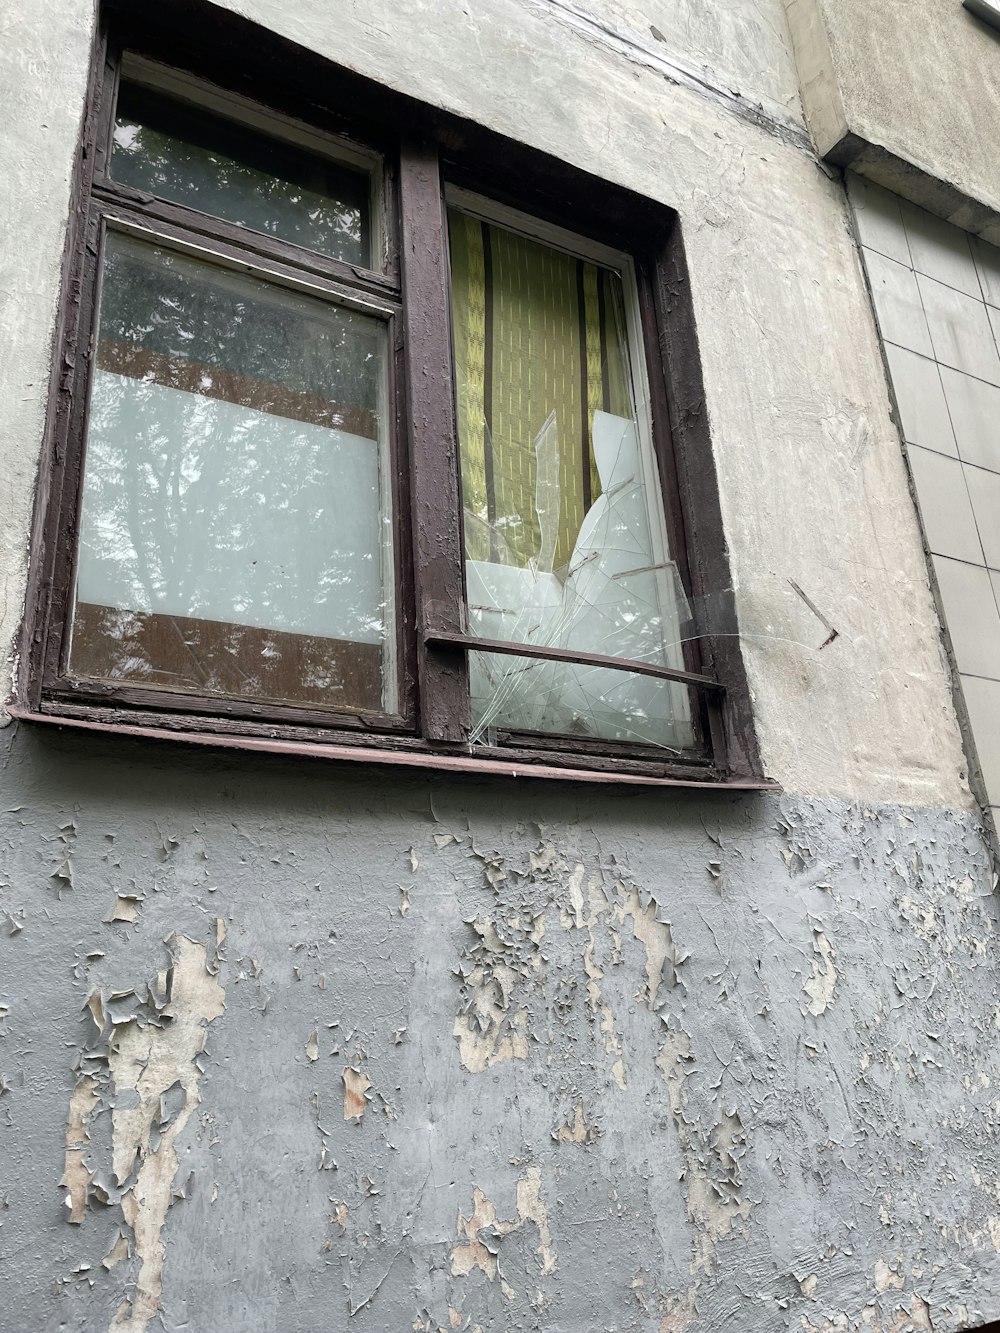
{"points": [[365, 455]]}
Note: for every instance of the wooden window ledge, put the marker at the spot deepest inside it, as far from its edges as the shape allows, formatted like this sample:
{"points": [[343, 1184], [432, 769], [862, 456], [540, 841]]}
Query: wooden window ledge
{"points": [[445, 763]]}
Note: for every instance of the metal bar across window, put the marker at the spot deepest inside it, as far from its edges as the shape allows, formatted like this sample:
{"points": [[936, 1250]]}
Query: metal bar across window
{"points": [[545, 653]]}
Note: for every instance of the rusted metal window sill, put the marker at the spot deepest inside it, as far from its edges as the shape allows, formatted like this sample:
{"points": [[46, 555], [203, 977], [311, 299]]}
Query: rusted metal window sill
{"points": [[394, 758]]}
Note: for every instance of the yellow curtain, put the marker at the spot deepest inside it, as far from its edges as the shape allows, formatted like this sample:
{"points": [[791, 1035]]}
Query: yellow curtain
{"points": [[536, 331]]}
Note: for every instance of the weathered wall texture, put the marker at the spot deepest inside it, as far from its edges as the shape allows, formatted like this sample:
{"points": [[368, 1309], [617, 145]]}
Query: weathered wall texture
{"points": [[429, 1061], [907, 92], [813, 485], [309, 1048]]}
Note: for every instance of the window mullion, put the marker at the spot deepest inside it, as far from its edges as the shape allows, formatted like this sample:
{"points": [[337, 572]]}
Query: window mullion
{"points": [[436, 503]]}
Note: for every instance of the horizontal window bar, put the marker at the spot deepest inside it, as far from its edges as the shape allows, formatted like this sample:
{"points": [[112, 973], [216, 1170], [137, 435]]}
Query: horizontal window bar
{"points": [[471, 643]]}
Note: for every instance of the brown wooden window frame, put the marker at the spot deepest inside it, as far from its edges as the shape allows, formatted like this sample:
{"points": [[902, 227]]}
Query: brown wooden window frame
{"points": [[412, 295]]}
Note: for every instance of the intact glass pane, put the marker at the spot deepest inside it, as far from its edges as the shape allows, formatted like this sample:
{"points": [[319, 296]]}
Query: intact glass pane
{"points": [[564, 531], [178, 152], [235, 532]]}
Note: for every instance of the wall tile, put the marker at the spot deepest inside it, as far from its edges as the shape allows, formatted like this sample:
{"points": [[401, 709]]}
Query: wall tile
{"points": [[971, 612], [987, 259], [949, 520], [897, 304], [984, 492], [974, 407], [940, 250], [916, 381], [878, 220], [960, 330], [982, 698]]}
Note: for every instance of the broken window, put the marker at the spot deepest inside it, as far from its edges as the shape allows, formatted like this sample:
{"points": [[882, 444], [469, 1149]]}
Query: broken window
{"points": [[345, 455], [563, 523]]}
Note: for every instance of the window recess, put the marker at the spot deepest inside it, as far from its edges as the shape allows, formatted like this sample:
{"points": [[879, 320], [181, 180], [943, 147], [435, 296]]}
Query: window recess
{"points": [[363, 456]]}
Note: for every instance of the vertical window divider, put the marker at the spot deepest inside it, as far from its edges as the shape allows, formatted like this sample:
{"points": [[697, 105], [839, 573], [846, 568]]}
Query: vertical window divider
{"points": [[437, 506]]}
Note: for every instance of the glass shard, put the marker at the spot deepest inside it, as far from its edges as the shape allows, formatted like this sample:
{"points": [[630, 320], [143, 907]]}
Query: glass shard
{"points": [[564, 530]]}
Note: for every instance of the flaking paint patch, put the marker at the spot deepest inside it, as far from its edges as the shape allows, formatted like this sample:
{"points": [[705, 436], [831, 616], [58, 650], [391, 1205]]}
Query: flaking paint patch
{"points": [[356, 1085], [577, 1129], [820, 987], [487, 1031], [483, 1231], [76, 1175], [713, 1186], [119, 1252], [662, 958], [153, 1061]]}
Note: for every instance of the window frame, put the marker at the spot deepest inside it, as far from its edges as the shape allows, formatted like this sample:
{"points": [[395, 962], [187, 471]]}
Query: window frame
{"points": [[437, 155]]}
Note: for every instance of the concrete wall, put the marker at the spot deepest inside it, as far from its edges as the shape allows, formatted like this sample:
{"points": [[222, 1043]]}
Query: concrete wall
{"points": [[499, 1059], [908, 93], [505, 1057]]}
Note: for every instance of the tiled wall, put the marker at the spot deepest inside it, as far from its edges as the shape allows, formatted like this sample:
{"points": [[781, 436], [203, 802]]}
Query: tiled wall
{"points": [[937, 298]]}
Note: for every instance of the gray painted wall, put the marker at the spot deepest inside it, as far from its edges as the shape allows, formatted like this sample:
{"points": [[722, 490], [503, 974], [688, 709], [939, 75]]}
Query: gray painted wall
{"points": [[621, 1062], [504, 1056]]}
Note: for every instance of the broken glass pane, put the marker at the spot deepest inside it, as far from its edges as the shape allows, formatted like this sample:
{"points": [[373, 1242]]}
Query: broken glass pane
{"points": [[235, 534], [564, 532], [185, 154]]}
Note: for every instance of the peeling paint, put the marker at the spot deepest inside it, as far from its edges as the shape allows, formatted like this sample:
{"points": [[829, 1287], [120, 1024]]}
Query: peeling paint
{"points": [[76, 1176], [483, 1232], [152, 1061], [356, 1098], [712, 1171], [578, 1129], [820, 987]]}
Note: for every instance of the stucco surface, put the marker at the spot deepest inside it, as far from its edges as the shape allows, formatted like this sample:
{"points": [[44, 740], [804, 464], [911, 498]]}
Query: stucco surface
{"points": [[505, 1059], [44, 53], [919, 78], [813, 486]]}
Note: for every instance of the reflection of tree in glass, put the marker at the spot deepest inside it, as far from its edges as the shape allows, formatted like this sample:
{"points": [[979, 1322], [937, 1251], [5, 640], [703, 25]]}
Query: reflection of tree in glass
{"points": [[189, 156], [232, 475], [235, 329]]}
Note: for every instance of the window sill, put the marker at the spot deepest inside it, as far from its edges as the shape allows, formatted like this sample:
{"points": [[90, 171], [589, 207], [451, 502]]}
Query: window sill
{"points": [[445, 763]]}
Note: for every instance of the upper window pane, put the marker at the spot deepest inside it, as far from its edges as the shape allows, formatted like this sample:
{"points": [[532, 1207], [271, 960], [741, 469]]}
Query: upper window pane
{"points": [[565, 537], [193, 157], [235, 533]]}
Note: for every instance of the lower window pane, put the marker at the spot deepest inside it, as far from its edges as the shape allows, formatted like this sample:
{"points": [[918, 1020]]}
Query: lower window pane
{"points": [[563, 521], [564, 698], [235, 532]]}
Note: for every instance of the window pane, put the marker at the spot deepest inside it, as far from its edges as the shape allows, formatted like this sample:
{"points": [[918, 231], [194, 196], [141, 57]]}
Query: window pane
{"points": [[564, 533], [192, 157], [235, 533]]}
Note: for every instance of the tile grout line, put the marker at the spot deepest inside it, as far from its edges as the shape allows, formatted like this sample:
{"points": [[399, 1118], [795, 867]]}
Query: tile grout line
{"points": [[965, 479]]}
